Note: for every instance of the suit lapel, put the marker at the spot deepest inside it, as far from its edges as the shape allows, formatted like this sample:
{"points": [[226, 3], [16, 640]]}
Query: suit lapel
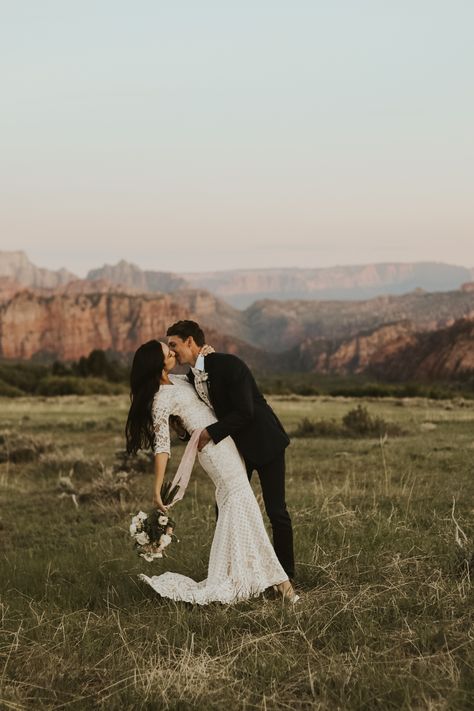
{"points": [[209, 368]]}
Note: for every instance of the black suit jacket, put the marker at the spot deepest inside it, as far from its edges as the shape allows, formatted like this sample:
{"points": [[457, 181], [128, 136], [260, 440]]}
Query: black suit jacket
{"points": [[241, 410]]}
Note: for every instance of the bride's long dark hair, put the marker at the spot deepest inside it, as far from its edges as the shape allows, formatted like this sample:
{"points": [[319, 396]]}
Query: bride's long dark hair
{"points": [[145, 375]]}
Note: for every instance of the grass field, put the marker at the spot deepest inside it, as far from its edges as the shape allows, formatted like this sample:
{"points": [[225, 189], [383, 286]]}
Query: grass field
{"points": [[386, 616]]}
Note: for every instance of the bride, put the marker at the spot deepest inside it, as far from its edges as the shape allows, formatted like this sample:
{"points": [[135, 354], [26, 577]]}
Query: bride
{"points": [[242, 561]]}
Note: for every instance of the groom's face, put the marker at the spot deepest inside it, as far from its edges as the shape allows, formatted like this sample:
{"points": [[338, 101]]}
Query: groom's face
{"points": [[182, 349]]}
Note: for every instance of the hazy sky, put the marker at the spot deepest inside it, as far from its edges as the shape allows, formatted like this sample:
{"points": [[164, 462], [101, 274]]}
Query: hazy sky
{"points": [[192, 135]]}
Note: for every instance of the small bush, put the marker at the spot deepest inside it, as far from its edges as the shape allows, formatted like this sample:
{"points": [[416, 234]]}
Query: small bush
{"points": [[317, 428], [71, 461], [356, 423], [18, 448], [22, 376], [107, 487], [7, 390], [360, 422]]}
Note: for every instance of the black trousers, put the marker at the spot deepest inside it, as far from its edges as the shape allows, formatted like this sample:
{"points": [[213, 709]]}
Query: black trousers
{"points": [[272, 481]]}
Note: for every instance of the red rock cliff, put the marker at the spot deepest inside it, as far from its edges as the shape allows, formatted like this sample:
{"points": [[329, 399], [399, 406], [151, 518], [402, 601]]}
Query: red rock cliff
{"points": [[71, 325]]}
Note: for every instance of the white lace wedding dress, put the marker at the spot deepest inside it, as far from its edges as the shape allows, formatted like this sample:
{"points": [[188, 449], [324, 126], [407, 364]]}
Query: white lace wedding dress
{"points": [[242, 561]]}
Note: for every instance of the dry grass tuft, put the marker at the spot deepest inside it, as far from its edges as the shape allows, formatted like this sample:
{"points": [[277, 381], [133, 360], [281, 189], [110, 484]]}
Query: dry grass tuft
{"points": [[18, 448]]}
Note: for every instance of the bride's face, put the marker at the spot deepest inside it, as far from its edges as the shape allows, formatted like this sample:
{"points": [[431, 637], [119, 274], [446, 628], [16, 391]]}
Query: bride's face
{"points": [[170, 358]]}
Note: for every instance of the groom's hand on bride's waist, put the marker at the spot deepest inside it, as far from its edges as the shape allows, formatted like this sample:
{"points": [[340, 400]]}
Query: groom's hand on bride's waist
{"points": [[204, 438]]}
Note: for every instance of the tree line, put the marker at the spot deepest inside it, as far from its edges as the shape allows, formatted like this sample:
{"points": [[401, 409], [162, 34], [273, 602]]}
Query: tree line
{"points": [[102, 372]]}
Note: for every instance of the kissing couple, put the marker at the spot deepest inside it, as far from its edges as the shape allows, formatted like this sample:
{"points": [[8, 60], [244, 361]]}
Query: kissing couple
{"points": [[239, 434]]}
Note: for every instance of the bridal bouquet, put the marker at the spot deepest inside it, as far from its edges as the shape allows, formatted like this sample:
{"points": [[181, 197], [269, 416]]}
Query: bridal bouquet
{"points": [[153, 532]]}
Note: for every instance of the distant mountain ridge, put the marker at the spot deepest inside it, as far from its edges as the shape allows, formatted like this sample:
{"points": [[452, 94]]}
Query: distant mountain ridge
{"points": [[131, 276], [320, 337], [17, 267], [242, 287], [418, 334]]}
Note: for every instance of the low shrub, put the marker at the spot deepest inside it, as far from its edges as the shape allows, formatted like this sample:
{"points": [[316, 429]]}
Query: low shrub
{"points": [[358, 422], [70, 461], [18, 448], [22, 376], [317, 428], [7, 390], [108, 487]]}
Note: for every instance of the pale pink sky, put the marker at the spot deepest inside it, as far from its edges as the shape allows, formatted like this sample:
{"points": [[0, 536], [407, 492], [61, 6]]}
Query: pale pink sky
{"points": [[193, 136]]}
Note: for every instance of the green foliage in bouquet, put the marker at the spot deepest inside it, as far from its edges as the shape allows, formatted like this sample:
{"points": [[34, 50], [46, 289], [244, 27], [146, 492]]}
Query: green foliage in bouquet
{"points": [[154, 528], [168, 492]]}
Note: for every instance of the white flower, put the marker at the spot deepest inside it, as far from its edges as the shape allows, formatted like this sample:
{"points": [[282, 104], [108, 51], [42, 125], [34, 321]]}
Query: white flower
{"points": [[137, 522], [141, 515], [133, 528], [148, 557], [142, 538], [165, 540], [163, 520]]}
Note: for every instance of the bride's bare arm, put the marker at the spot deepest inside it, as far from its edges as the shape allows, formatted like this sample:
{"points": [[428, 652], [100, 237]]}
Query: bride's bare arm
{"points": [[161, 461], [160, 411]]}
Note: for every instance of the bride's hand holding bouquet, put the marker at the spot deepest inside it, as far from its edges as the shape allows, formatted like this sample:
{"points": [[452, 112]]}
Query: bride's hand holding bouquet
{"points": [[153, 532]]}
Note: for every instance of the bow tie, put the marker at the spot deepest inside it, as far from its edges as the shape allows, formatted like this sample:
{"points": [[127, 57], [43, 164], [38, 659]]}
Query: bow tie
{"points": [[200, 376]]}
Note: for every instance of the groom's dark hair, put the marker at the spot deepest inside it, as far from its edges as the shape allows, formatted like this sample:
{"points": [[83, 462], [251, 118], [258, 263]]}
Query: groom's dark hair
{"points": [[184, 329]]}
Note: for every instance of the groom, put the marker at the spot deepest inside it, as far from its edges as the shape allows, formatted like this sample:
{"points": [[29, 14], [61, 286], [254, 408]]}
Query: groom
{"points": [[225, 383]]}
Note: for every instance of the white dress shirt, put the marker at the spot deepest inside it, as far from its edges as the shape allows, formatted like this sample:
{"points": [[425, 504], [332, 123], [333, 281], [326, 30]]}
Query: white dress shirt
{"points": [[199, 364]]}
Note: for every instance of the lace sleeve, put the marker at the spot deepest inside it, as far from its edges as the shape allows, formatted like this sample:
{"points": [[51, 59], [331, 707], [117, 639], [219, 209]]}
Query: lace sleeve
{"points": [[160, 412]]}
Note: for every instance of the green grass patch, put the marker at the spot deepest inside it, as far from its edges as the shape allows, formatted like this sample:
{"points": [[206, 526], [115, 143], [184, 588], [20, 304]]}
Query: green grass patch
{"points": [[386, 615]]}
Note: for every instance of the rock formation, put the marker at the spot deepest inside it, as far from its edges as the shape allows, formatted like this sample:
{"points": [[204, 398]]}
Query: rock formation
{"points": [[67, 326], [281, 325], [443, 354], [18, 267], [394, 352], [131, 276], [75, 321]]}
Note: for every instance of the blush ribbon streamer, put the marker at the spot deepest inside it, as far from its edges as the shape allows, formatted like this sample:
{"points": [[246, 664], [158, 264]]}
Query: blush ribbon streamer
{"points": [[183, 473]]}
